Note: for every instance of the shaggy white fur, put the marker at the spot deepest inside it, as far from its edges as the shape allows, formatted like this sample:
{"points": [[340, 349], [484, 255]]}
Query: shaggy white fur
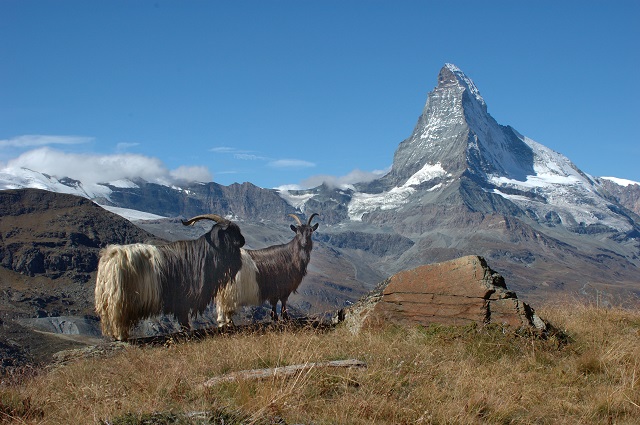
{"points": [[127, 287], [243, 290]]}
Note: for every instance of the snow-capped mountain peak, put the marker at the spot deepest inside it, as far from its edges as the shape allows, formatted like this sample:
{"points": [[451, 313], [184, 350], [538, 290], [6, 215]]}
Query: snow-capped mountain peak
{"points": [[456, 131], [462, 80], [456, 138], [20, 178]]}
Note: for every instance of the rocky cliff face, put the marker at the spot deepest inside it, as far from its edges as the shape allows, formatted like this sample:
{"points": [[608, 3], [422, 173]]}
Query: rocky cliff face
{"points": [[625, 192]]}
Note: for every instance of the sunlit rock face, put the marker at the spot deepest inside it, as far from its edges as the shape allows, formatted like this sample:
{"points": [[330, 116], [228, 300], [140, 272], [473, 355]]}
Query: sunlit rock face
{"points": [[462, 291]]}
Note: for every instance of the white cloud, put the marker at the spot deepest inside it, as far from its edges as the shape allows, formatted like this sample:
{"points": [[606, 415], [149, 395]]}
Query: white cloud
{"points": [[123, 146], [224, 149], [355, 176], [249, 157], [93, 168], [192, 173], [286, 187], [231, 150], [291, 163], [34, 140]]}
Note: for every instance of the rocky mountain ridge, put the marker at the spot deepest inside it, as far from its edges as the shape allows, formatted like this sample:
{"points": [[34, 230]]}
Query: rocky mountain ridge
{"points": [[624, 192]]}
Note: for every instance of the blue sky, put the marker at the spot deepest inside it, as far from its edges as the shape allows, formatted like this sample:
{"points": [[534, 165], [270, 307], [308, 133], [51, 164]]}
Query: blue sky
{"points": [[293, 92]]}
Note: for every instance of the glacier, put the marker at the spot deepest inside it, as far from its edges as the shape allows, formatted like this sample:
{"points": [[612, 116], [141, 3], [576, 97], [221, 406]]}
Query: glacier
{"points": [[362, 203], [562, 188]]}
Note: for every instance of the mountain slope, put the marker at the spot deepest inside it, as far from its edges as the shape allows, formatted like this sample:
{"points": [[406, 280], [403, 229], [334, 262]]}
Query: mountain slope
{"points": [[49, 247], [55, 235]]}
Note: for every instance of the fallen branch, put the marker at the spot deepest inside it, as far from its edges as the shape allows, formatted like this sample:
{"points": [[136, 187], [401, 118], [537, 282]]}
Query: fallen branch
{"points": [[281, 371]]}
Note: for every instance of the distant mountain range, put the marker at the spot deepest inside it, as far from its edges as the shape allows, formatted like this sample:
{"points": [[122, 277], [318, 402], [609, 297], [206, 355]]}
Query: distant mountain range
{"points": [[461, 184]]}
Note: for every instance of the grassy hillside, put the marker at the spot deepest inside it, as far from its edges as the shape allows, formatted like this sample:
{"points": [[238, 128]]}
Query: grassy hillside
{"points": [[435, 375]]}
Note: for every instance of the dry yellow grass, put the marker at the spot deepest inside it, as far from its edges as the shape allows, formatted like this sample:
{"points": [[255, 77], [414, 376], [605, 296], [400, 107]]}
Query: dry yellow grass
{"points": [[437, 375]]}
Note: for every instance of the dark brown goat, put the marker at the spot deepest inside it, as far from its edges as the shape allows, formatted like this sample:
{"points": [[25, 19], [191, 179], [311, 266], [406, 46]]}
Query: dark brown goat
{"points": [[269, 274]]}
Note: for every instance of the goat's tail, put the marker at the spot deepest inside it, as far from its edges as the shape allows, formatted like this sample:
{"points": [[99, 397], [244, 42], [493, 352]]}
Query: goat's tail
{"points": [[128, 287]]}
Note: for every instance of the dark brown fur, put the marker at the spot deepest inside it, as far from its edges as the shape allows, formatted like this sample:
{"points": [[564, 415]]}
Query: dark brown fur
{"points": [[195, 270], [281, 268]]}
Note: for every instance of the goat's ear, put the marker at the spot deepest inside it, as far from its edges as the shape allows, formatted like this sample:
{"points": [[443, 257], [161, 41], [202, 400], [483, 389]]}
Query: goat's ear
{"points": [[294, 228], [315, 227]]}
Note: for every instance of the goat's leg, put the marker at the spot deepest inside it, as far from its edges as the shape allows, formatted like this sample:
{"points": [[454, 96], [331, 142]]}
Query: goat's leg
{"points": [[183, 319], [224, 316], [274, 311], [284, 313]]}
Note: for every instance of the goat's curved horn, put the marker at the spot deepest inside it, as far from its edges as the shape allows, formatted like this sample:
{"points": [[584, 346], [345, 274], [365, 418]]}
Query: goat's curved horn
{"points": [[311, 218], [296, 218], [214, 217]]}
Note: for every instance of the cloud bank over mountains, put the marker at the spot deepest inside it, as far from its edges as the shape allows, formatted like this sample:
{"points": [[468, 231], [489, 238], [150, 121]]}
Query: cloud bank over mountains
{"points": [[342, 182], [96, 168], [39, 154]]}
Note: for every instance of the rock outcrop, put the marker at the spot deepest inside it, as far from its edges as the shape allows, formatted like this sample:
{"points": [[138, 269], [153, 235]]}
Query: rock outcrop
{"points": [[456, 292], [626, 193]]}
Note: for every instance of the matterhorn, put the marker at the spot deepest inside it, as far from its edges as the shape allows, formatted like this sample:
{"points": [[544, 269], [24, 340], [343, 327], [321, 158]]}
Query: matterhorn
{"points": [[462, 184]]}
